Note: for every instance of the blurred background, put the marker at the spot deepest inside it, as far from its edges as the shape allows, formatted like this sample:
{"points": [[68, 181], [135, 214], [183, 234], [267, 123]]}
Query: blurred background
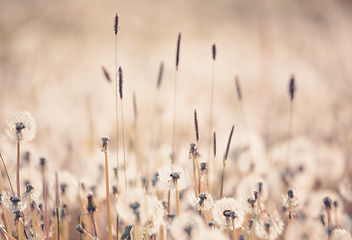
{"points": [[52, 53]]}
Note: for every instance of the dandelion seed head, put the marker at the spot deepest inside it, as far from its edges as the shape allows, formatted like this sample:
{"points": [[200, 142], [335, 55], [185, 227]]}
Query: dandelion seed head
{"points": [[227, 212], [167, 178], [269, 227], [340, 234], [246, 188], [210, 235], [137, 207], [187, 226], [20, 127], [203, 202]]}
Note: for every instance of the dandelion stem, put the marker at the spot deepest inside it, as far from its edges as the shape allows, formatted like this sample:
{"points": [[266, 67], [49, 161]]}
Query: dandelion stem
{"points": [[177, 199], [18, 170], [195, 176], [108, 194]]}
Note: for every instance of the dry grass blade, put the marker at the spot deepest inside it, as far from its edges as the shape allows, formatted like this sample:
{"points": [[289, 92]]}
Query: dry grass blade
{"points": [[161, 71], [229, 142], [239, 93], [106, 74]]}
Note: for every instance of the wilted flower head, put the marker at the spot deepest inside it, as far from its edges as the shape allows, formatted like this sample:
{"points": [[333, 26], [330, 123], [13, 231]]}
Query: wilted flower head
{"points": [[228, 213], [21, 127], [169, 178], [187, 226], [269, 227]]}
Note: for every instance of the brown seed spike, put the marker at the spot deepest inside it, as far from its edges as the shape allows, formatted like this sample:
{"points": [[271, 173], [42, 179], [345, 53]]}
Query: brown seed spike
{"points": [[214, 52], [116, 25], [106, 74], [229, 142], [292, 87], [196, 125], [120, 82], [239, 93], [178, 50], [160, 74]]}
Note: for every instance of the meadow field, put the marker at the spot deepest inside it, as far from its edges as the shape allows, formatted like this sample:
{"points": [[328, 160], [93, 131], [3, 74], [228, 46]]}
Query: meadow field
{"points": [[175, 119]]}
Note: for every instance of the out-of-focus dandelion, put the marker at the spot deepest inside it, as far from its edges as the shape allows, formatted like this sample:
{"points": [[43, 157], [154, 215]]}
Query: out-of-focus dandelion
{"points": [[228, 213], [136, 207], [187, 226], [203, 202], [210, 235], [20, 128], [246, 189], [269, 227], [291, 201], [340, 234]]}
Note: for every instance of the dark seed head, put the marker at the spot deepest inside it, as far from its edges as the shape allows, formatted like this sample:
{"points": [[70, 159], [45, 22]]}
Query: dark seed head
{"points": [[327, 202]]}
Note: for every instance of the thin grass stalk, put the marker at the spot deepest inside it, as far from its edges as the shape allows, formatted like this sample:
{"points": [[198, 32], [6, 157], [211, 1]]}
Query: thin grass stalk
{"points": [[7, 234], [5, 213], [211, 112], [222, 176], [123, 127], [154, 117], [244, 119], [45, 196], [175, 98], [57, 203], [116, 28], [174, 119], [123, 144], [7, 174], [214, 162], [80, 206], [292, 89], [224, 161], [18, 170], [108, 195]]}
